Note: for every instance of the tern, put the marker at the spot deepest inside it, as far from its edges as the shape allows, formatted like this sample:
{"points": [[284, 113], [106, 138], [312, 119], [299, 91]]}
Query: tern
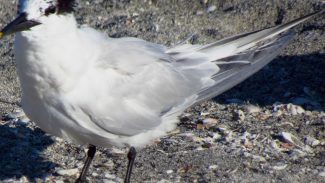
{"points": [[79, 84]]}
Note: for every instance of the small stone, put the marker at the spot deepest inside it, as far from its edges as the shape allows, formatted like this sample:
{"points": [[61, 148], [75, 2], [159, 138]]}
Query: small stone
{"points": [[196, 139], [248, 144], [274, 145], [211, 8], [210, 122], [206, 145], [216, 136], [94, 174], [115, 150], [199, 13], [296, 154], [110, 176], [311, 141], [223, 128], [251, 109], [277, 113], [69, 172], [229, 136], [109, 164], [287, 146], [308, 113], [288, 137], [185, 169], [294, 109], [255, 157], [322, 174], [280, 167], [200, 127], [212, 167], [169, 171], [205, 1], [204, 113], [239, 115]]}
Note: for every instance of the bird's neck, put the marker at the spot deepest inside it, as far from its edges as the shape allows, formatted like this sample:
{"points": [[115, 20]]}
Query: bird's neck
{"points": [[50, 54]]}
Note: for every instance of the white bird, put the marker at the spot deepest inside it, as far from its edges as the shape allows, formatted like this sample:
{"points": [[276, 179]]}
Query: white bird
{"points": [[81, 85]]}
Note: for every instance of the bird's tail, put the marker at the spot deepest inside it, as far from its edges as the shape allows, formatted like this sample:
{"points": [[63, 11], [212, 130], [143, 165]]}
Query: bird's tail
{"points": [[240, 56]]}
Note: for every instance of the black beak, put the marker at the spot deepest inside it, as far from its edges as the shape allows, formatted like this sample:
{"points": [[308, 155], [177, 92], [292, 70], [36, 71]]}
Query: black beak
{"points": [[19, 24]]}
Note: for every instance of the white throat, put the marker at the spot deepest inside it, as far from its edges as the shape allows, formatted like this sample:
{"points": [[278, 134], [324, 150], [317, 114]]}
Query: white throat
{"points": [[46, 54]]}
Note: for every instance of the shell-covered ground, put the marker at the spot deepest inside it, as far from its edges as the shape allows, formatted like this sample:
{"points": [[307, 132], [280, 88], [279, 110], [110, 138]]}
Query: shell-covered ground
{"points": [[270, 128]]}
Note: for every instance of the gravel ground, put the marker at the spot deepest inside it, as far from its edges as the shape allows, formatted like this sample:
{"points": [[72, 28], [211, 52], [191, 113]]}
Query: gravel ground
{"points": [[270, 128]]}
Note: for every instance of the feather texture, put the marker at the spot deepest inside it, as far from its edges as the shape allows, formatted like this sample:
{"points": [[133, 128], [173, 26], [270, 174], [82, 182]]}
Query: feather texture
{"points": [[127, 92]]}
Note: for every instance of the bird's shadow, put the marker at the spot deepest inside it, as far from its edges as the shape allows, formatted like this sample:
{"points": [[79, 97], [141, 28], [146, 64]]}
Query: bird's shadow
{"points": [[287, 79], [21, 152]]}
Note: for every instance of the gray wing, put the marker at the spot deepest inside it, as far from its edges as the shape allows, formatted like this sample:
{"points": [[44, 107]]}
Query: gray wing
{"points": [[145, 83], [237, 57]]}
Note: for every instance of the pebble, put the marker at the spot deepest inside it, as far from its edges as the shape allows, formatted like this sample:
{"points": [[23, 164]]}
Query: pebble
{"points": [[251, 109], [199, 13], [68, 172], [210, 122], [288, 137], [280, 167], [239, 115], [294, 109], [308, 113], [254, 157], [216, 136], [322, 174], [109, 164], [115, 150], [296, 154], [94, 174], [110, 176], [277, 113], [289, 108], [211, 8], [229, 136], [169, 171], [223, 128], [205, 1], [212, 167], [204, 113], [311, 141]]}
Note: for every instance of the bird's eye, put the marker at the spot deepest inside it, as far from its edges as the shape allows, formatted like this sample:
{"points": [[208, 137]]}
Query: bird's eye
{"points": [[50, 10]]}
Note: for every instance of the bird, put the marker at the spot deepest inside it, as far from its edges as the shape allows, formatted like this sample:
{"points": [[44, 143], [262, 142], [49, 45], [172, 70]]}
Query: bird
{"points": [[82, 85]]}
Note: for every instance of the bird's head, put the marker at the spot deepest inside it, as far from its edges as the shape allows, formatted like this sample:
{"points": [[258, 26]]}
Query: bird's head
{"points": [[32, 13]]}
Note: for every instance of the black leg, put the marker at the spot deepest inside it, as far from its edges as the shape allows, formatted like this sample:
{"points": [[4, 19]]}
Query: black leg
{"points": [[131, 156], [90, 156]]}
